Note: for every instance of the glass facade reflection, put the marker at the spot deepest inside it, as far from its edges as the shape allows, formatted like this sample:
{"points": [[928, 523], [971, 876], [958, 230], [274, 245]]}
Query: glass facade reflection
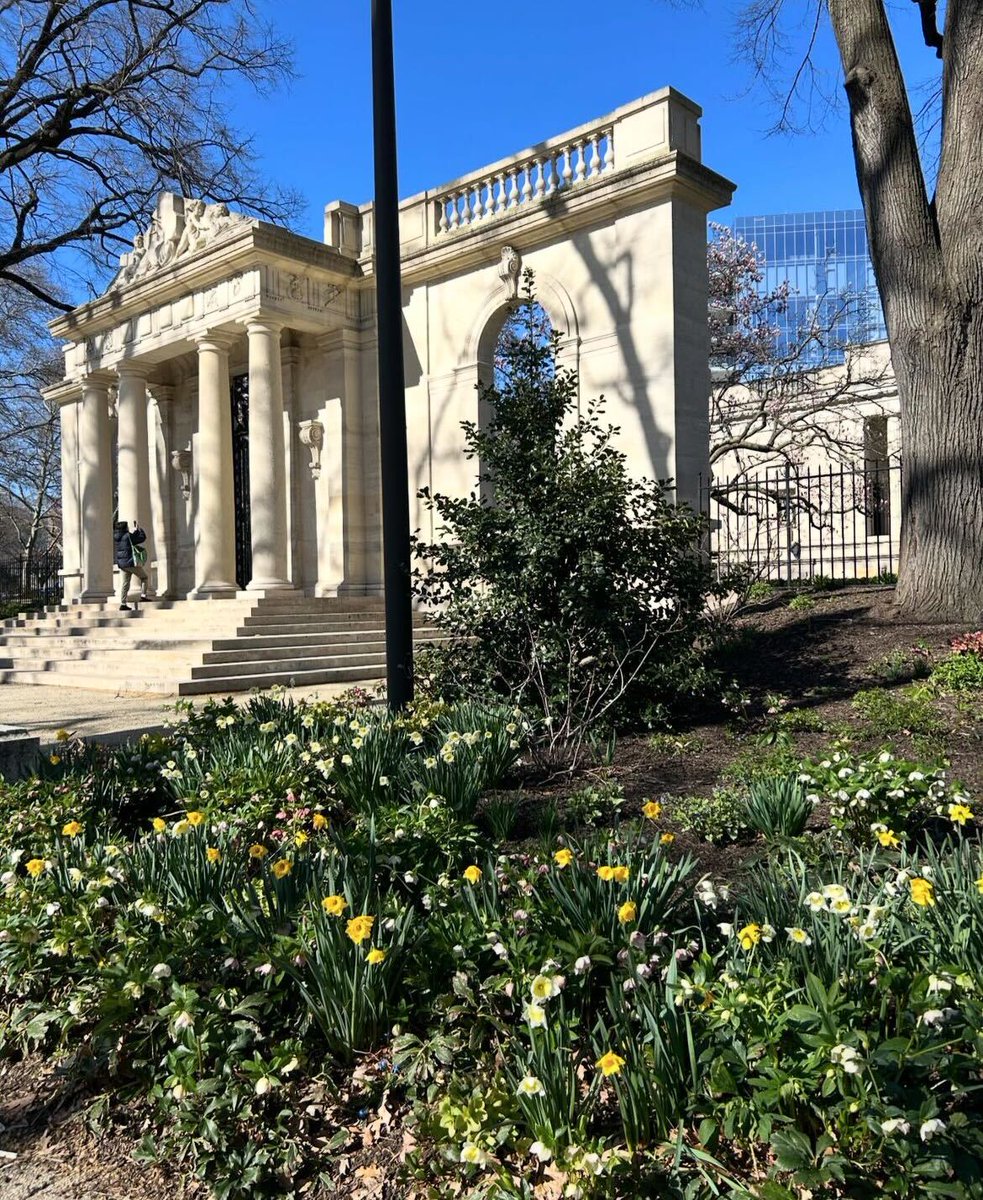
{"points": [[823, 255]]}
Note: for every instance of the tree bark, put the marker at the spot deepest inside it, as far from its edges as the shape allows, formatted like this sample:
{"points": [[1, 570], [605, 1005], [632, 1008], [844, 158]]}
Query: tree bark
{"points": [[928, 259]]}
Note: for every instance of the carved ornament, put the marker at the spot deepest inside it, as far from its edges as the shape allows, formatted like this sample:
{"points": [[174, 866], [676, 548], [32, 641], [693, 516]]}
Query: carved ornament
{"points": [[312, 436], [178, 230]]}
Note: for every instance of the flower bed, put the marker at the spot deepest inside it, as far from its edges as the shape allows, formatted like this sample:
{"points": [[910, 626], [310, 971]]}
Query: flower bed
{"points": [[283, 929]]}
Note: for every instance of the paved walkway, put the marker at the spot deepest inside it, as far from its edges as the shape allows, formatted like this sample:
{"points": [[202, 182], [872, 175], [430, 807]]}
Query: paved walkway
{"points": [[43, 710]]}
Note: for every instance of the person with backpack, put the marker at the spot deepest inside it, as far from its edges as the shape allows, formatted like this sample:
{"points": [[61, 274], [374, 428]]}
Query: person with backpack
{"points": [[130, 558]]}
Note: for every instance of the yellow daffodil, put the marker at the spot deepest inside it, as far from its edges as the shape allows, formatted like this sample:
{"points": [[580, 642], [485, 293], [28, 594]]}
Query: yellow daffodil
{"points": [[652, 809], [922, 891], [979, 885], [54, 759], [749, 936], [628, 912], [282, 867], [181, 827], [335, 905], [375, 956], [667, 839], [35, 867], [213, 854], [62, 735], [257, 850], [71, 829], [535, 1014], [621, 874], [605, 873], [360, 928], [159, 824], [472, 874], [319, 821], [798, 935], [301, 838], [959, 814], [610, 1063], [196, 818], [888, 838], [563, 858]]}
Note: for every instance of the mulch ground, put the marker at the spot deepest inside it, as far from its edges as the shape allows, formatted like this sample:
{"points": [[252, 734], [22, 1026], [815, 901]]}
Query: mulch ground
{"points": [[816, 660]]}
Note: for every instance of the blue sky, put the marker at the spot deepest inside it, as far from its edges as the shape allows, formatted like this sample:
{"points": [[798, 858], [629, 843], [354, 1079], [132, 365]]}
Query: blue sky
{"points": [[477, 81]]}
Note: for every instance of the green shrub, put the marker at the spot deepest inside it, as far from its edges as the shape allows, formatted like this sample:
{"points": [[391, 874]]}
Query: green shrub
{"points": [[774, 754], [760, 590], [675, 744], [778, 807], [580, 592]]}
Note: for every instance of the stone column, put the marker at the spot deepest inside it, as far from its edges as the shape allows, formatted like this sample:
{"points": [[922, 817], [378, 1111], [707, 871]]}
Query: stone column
{"points": [[71, 511], [160, 401], [267, 477], [215, 572], [96, 489], [133, 453]]}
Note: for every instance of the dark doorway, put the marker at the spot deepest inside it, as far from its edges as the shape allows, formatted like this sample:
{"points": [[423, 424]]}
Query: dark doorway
{"points": [[240, 478]]}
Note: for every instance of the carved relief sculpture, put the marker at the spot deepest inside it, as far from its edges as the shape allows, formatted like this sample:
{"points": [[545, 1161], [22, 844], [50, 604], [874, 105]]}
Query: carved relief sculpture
{"points": [[312, 436], [181, 461], [179, 229], [509, 270]]}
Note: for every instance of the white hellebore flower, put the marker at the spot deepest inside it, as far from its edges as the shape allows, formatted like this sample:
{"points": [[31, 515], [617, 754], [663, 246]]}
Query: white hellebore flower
{"points": [[470, 1153], [933, 1016], [847, 1058], [894, 1125], [582, 965], [161, 971], [540, 1151], [530, 1086], [930, 1128]]}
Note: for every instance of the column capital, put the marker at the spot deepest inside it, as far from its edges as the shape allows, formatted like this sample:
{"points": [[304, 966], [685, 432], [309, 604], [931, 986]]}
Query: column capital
{"points": [[135, 370], [218, 339], [263, 324], [98, 381]]}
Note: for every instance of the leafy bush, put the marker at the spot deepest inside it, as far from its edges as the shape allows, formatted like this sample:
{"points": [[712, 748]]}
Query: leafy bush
{"points": [[760, 590], [562, 582], [778, 807]]}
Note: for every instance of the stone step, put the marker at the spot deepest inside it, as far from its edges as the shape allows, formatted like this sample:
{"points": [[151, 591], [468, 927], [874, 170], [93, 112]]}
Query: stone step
{"points": [[237, 652], [287, 667], [317, 637]]}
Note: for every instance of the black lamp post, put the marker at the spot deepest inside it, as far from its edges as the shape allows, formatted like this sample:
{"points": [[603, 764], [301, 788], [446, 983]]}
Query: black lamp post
{"points": [[392, 388]]}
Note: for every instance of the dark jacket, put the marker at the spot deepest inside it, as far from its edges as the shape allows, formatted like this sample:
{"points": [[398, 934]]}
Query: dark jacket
{"points": [[124, 540]]}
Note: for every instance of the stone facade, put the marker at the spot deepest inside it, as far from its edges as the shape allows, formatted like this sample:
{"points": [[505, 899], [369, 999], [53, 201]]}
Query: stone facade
{"points": [[209, 304]]}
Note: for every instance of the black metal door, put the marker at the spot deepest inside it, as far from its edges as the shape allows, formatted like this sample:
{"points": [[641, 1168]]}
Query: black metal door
{"points": [[240, 476]]}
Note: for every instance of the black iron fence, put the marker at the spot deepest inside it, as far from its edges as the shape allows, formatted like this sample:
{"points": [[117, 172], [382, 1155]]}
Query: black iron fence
{"points": [[31, 583], [787, 524]]}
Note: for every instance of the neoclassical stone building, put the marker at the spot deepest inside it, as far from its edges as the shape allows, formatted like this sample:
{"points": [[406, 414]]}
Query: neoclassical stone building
{"points": [[222, 392]]}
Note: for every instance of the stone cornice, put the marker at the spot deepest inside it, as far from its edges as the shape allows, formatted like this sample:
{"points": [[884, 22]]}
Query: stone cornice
{"points": [[256, 244]]}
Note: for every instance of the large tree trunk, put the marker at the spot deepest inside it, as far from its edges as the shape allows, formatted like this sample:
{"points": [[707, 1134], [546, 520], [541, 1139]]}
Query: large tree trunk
{"points": [[928, 259]]}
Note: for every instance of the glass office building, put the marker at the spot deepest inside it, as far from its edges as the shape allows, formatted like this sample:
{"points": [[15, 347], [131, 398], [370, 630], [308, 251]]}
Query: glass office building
{"points": [[824, 257]]}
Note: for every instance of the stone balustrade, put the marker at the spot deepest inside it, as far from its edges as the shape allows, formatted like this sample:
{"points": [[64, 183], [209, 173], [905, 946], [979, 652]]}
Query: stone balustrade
{"points": [[557, 167]]}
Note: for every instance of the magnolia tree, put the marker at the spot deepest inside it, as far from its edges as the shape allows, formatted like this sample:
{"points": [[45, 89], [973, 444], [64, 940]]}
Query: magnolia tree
{"points": [[777, 407], [925, 244], [775, 400]]}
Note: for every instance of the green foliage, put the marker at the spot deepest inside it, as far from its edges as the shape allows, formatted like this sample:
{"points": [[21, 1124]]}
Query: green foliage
{"points": [[959, 672], [675, 745], [277, 978], [760, 590], [562, 581], [720, 817], [774, 754], [877, 792], [905, 710], [801, 603], [778, 807], [900, 666]]}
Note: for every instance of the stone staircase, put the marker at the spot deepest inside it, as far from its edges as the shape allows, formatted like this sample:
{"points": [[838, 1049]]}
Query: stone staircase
{"points": [[193, 647]]}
